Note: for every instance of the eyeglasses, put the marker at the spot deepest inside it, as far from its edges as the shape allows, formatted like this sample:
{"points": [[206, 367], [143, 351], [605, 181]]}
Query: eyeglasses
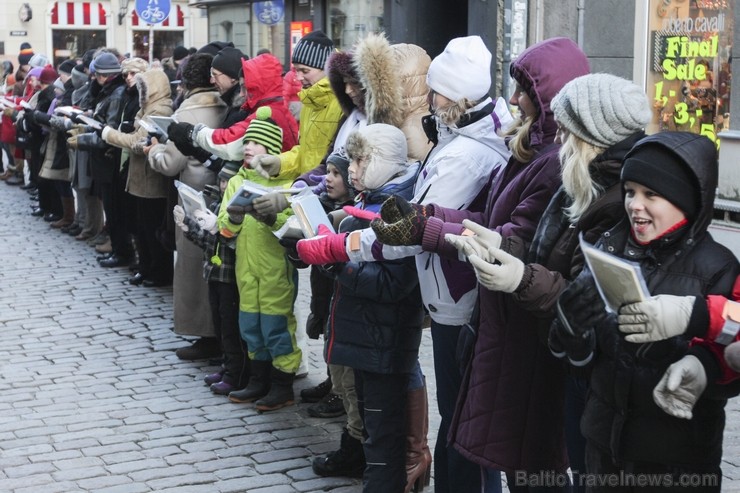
{"points": [[216, 74]]}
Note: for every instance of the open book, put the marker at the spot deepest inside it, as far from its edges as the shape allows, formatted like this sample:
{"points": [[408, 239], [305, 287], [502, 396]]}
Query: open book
{"points": [[162, 123], [619, 281], [192, 200], [310, 213], [90, 122], [246, 194]]}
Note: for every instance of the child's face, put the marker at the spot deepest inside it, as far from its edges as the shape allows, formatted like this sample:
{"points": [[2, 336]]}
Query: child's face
{"points": [[357, 172], [336, 188], [252, 149], [651, 215], [222, 185]]}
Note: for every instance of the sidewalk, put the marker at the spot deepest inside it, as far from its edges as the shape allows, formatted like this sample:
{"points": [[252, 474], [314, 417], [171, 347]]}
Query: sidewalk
{"points": [[93, 399]]}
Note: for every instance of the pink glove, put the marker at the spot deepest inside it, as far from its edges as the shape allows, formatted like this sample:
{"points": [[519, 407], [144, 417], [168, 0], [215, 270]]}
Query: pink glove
{"points": [[360, 213], [324, 248]]}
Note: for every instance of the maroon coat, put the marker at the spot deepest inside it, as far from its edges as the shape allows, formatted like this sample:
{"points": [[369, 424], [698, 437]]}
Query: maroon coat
{"points": [[509, 413]]}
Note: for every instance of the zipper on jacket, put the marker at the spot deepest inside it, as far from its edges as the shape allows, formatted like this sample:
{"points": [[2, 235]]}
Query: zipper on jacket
{"points": [[434, 273], [334, 301]]}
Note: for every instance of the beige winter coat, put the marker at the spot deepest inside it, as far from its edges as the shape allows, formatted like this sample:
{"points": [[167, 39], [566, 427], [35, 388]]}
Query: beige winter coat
{"points": [[154, 97], [394, 77], [192, 315]]}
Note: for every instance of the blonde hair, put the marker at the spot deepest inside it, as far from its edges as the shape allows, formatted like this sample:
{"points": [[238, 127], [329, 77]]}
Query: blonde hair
{"points": [[451, 115], [519, 143], [576, 156]]}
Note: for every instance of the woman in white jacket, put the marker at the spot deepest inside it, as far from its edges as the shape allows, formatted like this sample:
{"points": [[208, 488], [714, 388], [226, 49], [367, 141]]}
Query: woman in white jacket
{"points": [[467, 154]]}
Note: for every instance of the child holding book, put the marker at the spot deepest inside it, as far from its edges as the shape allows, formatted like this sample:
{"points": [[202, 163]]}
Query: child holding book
{"points": [[223, 294], [267, 283]]}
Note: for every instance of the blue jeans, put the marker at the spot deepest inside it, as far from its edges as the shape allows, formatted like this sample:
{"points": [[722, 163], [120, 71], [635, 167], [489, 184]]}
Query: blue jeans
{"points": [[452, 472]]}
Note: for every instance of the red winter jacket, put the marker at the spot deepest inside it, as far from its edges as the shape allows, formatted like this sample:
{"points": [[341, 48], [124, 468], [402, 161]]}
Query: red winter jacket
{"points": [[264, 82]]}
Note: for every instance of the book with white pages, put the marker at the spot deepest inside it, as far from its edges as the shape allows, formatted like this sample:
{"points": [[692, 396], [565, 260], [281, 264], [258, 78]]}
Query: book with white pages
{"points": [[67, 111], [192, 200], [90, 122], [619, 281], [310, 214], [162, 122]]}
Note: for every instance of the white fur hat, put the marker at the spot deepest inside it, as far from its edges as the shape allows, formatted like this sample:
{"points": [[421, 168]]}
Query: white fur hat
{"points": [[463, 70], [383, 147], [601, 109]]}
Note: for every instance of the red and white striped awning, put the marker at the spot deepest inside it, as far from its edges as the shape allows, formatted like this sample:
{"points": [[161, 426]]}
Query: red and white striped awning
{"points": [[175, 20], [76, 14]]}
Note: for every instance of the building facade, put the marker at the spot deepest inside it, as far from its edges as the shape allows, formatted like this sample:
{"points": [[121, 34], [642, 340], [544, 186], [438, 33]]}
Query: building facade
{"points": [[66, 29]]}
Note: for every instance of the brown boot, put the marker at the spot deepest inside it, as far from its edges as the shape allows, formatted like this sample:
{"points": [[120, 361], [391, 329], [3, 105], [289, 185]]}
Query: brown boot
{"points": [[68, 215], [418, 456], [6, 175]]}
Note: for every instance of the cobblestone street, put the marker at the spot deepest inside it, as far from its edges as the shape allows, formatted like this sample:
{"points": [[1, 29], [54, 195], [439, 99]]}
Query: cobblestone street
{"points": [[93, 398]]}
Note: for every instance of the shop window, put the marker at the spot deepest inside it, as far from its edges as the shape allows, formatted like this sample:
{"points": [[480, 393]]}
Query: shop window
{"points": [[689, 75], [164, 43], [77, 27], [352, 20], [73, 43]]}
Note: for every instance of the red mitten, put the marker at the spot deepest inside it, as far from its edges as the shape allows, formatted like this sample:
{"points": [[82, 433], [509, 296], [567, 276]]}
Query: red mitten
{"points": [[324, 248]]}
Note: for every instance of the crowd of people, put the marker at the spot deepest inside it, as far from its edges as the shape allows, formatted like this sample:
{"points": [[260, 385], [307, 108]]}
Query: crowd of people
{"points": [[440, 209]]}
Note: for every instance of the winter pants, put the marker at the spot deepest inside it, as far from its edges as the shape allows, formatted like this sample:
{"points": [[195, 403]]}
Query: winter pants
{"points": [[343, 384], [382, 401], [576, 389], [114, 204], [224, 301], [266, 320], [452, 472], [155, 263]]}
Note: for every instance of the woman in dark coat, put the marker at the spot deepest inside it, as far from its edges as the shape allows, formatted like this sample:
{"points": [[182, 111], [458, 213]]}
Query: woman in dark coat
{"points": [[669, 181], [599, 118]]}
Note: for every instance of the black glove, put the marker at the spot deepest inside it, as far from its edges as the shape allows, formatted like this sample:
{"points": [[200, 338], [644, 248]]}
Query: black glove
{"points": [[182, 135], [291, 254], [580, 310], [314, 326]]}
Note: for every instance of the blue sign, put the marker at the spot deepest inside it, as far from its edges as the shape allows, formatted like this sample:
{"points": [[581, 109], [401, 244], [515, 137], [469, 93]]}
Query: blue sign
{"points": [[269, 13], [153, 11]]}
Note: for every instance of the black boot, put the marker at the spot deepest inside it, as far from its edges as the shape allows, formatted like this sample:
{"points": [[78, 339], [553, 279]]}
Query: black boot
{"points": [[259, 383], [348, 461], [281, 391], [315, 394]]}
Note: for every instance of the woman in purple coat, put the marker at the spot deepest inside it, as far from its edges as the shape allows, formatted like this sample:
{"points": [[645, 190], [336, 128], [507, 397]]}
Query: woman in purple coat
{"points": [[510, 409]]}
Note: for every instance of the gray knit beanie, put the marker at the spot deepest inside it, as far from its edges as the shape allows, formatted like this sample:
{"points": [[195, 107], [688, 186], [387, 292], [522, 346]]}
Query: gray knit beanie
{"points": [[601, 109]]}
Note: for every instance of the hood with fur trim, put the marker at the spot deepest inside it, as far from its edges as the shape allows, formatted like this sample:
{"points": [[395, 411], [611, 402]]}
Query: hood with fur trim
{"points": [[154, 88], [339, 67], [379, 72]]}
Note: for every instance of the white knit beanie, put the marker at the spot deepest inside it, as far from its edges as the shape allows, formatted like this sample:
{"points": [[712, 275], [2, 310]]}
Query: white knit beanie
{"points": [[462, 71], [601, 109], [384, 149]]}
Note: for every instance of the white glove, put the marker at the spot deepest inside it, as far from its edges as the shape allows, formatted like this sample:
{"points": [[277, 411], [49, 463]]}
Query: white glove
{"points": [[266, 165], [658, 318], [732, 356], [178, 213], [477, 244], [505, 276], [206, 220], [680, 388]]}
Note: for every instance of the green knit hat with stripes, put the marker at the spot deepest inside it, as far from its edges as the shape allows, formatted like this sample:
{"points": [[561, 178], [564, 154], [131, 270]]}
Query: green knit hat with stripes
{"points": [[263, 130]]}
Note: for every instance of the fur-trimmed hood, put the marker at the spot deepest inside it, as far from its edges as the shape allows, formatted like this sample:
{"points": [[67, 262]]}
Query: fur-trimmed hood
{"points": [[339, 66], [154, 87], [379, 70]]}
